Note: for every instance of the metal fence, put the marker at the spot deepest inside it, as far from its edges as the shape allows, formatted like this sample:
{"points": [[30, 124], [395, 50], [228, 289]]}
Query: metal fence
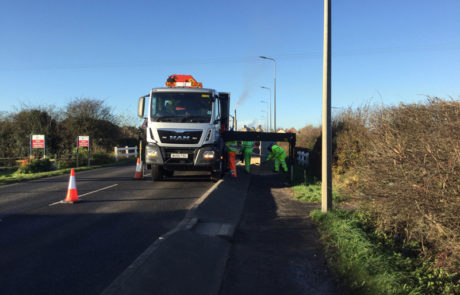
{"points": [[7, 163], [11, 163], [70, 160], [302, 156], [125, 152]]}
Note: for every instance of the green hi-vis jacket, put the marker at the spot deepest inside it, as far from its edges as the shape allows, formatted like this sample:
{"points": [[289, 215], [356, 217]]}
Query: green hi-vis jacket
{"points": [[232, 146], [276, 152], [247, 144]]}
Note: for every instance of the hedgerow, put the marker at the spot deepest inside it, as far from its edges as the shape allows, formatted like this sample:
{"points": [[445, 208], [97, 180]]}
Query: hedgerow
{"points": [[409, 175], [400, 166]]}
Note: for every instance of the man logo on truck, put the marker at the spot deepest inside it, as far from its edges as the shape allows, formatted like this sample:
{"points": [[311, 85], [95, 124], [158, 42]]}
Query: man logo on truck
{"points": [[179, 137]]}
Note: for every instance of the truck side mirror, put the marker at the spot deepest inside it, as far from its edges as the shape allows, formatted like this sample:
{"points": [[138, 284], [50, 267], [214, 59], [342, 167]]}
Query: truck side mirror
{"points": [[140, 107]]}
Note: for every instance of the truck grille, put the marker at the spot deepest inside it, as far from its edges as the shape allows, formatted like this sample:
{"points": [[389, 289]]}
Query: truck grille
{"points": [[180, 136], [167, 152]]}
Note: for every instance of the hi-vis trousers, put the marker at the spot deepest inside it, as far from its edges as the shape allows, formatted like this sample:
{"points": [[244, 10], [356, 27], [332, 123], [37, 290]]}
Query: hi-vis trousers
{"points": [[232, 163]]}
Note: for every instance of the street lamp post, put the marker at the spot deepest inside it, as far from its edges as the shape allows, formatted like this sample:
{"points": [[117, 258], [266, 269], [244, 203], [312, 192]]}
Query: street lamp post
{"points": [[270, 106], [274, 90]]}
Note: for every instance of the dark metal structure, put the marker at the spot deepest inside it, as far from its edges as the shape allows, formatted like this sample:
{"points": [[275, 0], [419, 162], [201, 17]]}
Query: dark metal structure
{"points": [[265, 136]]}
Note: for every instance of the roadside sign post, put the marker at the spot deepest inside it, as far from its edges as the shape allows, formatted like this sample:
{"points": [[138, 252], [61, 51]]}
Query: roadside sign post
{"points": [[84, 141], [37, 141]]}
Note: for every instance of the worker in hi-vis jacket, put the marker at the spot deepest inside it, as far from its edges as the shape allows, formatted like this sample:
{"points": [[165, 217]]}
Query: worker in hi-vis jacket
{"points": [[232, 148], [279, 155], [246, 149]]}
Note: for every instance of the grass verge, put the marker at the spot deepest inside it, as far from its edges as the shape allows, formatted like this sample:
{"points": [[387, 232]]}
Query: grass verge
{"points": [[308, 189], [312, 193], [368, 263]]}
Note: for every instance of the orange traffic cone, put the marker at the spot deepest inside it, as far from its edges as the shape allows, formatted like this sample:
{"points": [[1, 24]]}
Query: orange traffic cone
{"points": [[138, 174], [72, 195]]}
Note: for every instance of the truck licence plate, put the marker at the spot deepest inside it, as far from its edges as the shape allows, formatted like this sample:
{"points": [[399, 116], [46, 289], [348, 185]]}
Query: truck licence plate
{"points": [[179, 156]]}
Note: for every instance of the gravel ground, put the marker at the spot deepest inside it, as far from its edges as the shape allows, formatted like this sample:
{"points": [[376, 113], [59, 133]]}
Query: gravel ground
{"points": [[276, 248]]}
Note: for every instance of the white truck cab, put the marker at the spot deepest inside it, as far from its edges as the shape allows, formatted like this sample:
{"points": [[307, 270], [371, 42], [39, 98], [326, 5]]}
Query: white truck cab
{"points": [[184, 126]]}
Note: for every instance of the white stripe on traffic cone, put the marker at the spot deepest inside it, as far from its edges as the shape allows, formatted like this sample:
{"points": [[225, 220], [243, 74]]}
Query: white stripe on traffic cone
{"points": [[72, 195]]}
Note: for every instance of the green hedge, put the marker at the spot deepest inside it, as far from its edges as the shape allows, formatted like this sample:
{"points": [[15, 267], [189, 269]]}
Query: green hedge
{"points": [[35, 166]]}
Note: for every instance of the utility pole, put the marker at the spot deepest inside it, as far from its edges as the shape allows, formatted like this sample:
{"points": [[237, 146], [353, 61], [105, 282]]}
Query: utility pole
{"points": [[326, 163]]}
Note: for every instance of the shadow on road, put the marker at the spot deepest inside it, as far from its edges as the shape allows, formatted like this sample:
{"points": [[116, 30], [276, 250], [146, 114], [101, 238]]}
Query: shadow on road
{"points": [[135, 200], [62, 251], [276, 248]]}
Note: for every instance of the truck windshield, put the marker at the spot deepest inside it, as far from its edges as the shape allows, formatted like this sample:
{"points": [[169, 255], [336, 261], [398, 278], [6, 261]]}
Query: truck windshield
{"points": [[181, 107]]}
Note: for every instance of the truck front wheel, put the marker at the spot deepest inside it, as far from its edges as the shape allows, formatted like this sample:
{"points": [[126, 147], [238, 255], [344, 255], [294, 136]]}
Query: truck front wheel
{"points": [[157, 172], [218, 174]]}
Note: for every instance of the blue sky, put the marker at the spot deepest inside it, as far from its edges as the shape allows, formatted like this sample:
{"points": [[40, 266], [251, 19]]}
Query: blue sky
{"points": [[382, 52]]}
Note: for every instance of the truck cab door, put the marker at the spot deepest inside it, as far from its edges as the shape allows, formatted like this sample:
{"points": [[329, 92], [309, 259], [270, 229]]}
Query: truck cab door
{"points": [[224, 98]]}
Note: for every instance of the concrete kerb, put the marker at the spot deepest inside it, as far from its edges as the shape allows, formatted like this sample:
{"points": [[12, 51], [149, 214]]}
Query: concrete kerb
{"points": [[191, 258]]}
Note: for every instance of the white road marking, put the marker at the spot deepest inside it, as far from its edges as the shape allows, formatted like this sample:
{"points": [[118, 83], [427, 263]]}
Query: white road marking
{"points": [[88, 193], [101, 189]]}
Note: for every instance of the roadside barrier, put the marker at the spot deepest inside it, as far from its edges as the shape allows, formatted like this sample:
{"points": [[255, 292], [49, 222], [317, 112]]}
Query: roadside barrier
{"points": [[125, 152], [72, 195]]}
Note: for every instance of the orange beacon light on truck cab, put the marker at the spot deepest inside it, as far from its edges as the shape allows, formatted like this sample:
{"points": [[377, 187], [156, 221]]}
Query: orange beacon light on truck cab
{"points": [[185, 81]]}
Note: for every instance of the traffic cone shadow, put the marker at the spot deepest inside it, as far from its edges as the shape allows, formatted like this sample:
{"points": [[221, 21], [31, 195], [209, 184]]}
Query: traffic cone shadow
{"points": [[72, 195], [138, 174]]}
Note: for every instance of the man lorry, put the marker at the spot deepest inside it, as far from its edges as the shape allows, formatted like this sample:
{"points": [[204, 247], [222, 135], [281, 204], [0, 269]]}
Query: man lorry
{"points": [[183, 127]]}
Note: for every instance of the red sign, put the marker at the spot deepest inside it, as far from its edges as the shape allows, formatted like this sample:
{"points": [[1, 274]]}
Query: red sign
{"points": [[83, 141], [38, 141]]}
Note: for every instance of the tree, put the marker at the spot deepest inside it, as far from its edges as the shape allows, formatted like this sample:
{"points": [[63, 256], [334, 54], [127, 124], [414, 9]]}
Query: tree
{"points": [[306, 136], [86, 108], [6, 137], [28, 122], [84, 116]]}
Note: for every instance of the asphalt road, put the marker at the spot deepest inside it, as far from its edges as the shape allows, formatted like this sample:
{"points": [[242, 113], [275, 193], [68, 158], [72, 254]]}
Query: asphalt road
{"points": [[48, 248]]}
